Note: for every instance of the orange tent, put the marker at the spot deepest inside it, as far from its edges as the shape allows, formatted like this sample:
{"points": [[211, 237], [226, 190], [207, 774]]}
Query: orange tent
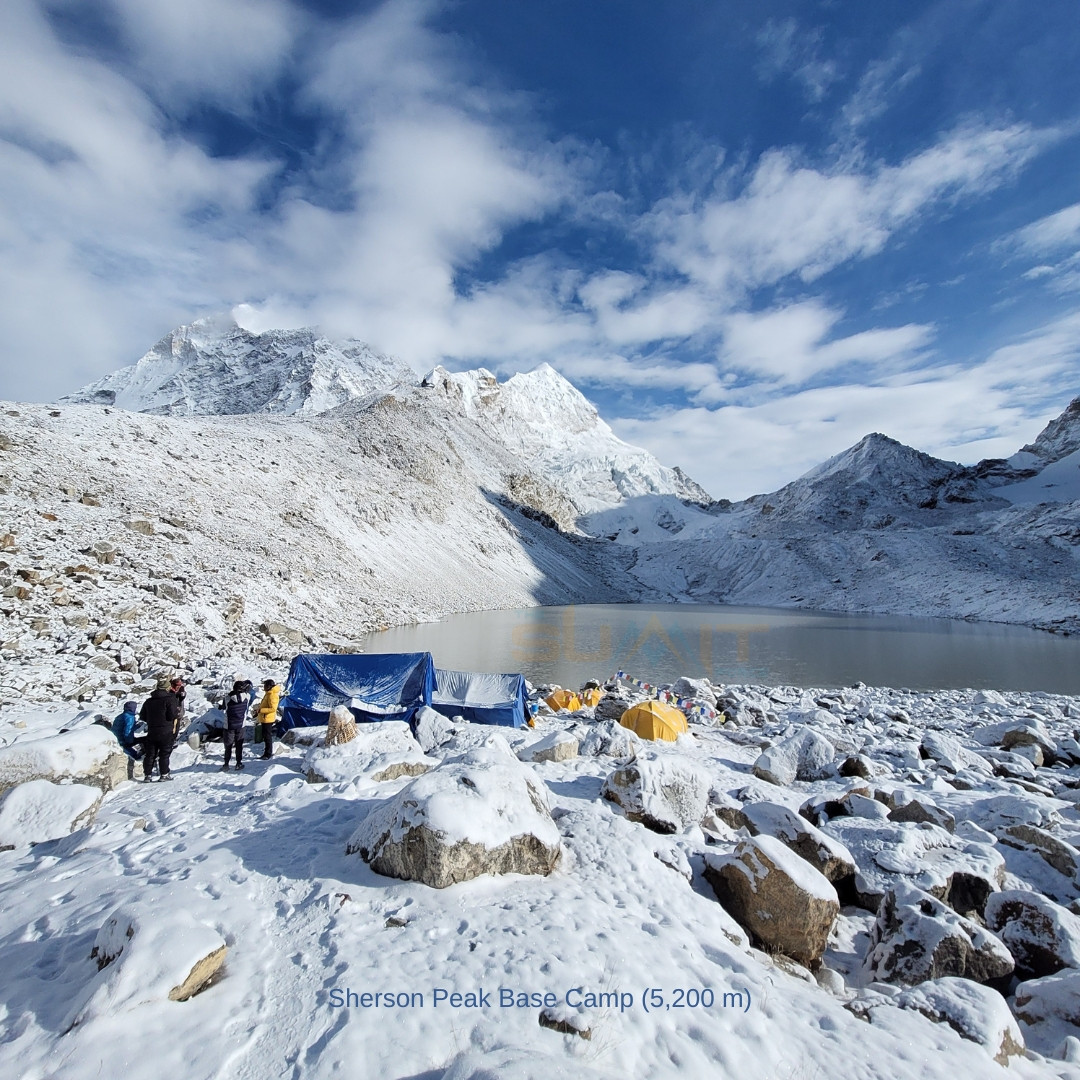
{"points": [[564, 700], [591, 696], [654, 720]]}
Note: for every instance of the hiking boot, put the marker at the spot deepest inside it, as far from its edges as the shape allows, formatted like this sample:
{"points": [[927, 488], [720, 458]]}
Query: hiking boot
{"points": [[241, 765], [148, 780], [224, 768], [167, 776]]}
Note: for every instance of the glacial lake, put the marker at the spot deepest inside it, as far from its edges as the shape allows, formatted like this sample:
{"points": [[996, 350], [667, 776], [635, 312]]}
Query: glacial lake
{"points": [[770, 646]]}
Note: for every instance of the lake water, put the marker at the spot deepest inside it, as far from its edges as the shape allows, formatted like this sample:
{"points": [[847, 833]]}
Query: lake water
{"points": [[660, 642]]}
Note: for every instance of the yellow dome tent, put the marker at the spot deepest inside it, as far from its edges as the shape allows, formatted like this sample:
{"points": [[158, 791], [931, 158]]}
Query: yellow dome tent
{"points": [[591, 696], [654, 720], [564, 699]]}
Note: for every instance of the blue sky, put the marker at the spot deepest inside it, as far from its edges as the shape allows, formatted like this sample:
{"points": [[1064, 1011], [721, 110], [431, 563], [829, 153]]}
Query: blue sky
{"points": [[750, 231]]}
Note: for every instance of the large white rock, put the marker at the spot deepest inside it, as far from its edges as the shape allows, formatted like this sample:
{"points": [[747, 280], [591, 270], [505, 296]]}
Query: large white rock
{"points": [[149, 950], [1048, 1009], [1042, 936], [40, 810], [825, 854], [86, 755], [777, 896], [555, 746], [666, 794], [804, 755], [916, 937], [432, 729], [952, 868], [974, 1012], [608, 738], [480, 813], [380, 751]]}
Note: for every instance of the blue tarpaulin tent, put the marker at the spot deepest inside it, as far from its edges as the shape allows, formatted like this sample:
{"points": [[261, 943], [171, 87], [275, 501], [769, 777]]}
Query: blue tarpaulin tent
{"points": [[479, 697], [375, 686]]}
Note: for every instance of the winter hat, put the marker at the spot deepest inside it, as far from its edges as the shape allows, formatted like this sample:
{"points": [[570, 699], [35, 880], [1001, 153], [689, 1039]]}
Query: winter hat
{"points": [[163, 682], [130, 706]]}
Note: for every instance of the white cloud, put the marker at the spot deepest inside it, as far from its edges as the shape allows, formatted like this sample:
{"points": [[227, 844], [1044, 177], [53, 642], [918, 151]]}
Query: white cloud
{"points": [[787, 48], [793, 219]]}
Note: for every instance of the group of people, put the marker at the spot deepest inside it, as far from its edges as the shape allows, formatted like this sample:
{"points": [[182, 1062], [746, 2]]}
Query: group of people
{"points": [[163, 713]]}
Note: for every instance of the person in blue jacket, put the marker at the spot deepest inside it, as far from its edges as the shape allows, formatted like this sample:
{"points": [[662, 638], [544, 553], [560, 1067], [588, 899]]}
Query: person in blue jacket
{"points": [[123, 727]]}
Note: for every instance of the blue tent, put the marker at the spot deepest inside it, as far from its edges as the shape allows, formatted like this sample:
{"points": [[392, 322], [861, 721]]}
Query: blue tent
{"points": [[481, 698], [375, 686]]}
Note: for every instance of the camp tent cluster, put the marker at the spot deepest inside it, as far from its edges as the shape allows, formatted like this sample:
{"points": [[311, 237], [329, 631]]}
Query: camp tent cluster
{"points": [[393, 686]]}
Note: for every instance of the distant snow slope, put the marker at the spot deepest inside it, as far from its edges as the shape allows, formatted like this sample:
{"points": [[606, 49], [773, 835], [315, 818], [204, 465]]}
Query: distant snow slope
{"points": [[213, 367]]}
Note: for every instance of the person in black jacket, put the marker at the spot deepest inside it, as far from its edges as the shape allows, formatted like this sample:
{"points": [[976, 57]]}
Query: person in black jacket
{"points": [[161, 713], [236, 709]]}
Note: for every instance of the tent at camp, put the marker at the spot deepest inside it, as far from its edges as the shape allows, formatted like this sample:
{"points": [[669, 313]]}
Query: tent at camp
{"points": [[375, 686], [480, 697], [654, 720], [563, 699], [592, 695]]}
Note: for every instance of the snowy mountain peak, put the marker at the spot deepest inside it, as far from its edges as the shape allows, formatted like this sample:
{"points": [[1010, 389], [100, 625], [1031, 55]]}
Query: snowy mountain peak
{"points": [[215, 367], [1059, 438]]}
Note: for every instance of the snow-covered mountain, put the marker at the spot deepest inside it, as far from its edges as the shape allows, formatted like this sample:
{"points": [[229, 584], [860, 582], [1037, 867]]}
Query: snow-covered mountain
{"points": [[215, 368], [548, 422]]}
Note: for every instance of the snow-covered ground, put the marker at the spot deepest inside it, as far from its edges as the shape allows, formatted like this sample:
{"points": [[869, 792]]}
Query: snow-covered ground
{"points": [[258, 860]]}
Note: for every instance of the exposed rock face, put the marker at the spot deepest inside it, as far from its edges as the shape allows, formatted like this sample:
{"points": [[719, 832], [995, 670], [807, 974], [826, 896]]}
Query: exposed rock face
{"points": [[826, 855], [806, 755], [88, 755], [916, 937], [1042, 936], [558, 746], [481, 813], [918, 810], [777, 896], [665, 794], [974, 1012]]}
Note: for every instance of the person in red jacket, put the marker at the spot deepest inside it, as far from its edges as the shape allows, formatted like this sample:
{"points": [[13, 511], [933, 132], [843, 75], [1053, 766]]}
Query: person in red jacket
{"points": [[161, 714]]}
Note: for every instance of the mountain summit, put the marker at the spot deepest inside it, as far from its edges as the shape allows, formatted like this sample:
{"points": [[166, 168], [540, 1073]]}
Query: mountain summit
{"points": [[214, 367]]}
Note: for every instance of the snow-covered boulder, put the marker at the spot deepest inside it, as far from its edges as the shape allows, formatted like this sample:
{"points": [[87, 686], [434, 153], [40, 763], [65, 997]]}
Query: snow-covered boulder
{"points": [[147, 951], [608, 738], [1048, 1009], [999, 812], [777, 896], [1042, 936], [826, 855], [40, 810], [699, 690], [380, 751], [806, 755], [1063, 857], [556, 746], [959, 871], [922, 809], [480, 813], [949, 754], [916, 937], [432, 729], [974, 1012], [666, 794], [89, 755]]}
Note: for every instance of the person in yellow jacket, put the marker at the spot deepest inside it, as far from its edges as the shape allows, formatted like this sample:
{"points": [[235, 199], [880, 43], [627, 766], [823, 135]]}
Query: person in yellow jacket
{"points": [[266, 714]]}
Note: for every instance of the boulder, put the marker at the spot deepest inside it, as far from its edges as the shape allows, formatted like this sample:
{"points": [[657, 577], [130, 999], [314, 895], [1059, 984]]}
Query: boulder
{"points": [[609, 738], [666, 794], [89, 755], [826, 855], [699, 690], [916, 937], [961, 872], [778, 897], [1048, 1009], [432, 729], [480, 813], [40, 810], [920, 809], [381, 751], [1063, 857], [805, 755], [974, 1012], [556, 746], [147, 951], [778, 765], [1042, 936]]}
